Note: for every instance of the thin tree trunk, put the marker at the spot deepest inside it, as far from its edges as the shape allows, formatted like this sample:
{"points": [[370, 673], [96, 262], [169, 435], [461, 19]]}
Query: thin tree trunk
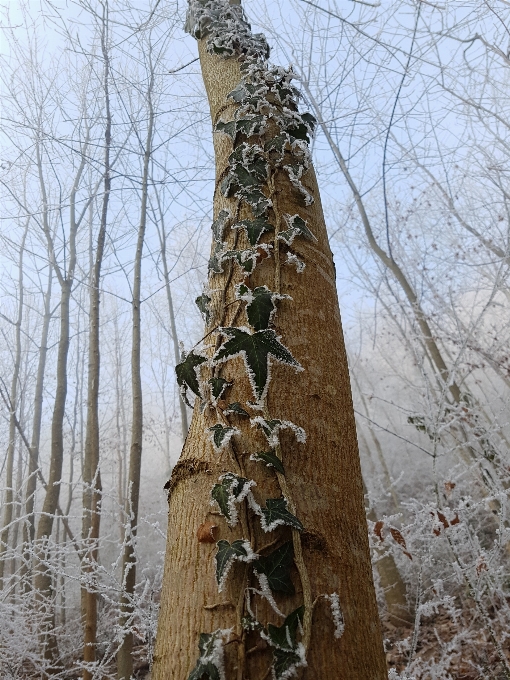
{"points": [[11, 446], [91, 472], [124, 656], [322, 483], [173, 327]]}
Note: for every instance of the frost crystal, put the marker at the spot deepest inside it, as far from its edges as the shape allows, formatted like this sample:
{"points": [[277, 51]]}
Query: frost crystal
{"points": [[271, 429], [336, 612], [294, 259], [265, 591]]}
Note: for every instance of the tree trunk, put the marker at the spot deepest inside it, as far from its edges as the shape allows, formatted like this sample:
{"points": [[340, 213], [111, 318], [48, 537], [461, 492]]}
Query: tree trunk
{"points": [[322, 483], [124, 656], [11, 446], [91, 473]]}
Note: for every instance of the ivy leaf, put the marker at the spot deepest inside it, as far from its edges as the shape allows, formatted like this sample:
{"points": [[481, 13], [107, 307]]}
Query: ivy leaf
{"points": [[284, 636], [227, 128], [246, 259], [256, 350], [269, 459], [187, 374], [297, 227], [230, 490], [222, 435], [260, 305], [254, 229], [276, 568], [271, 429], [286, 662], [202, 302], [250, 125], [227, 554], [214, 265], [210, 661], [309, 120], [218, 386], [275, 513], [257, 200], [237, 409], [218, 226]]}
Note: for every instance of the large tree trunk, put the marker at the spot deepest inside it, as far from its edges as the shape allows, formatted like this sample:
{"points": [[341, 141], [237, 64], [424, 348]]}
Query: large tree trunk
{"points": [[322, 482]]}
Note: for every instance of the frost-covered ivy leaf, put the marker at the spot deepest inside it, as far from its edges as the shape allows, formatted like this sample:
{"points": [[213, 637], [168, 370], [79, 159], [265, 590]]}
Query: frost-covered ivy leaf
{"points": [[256, 350], [269, 459], [254, 229], [230, 490], [275, 514], [296, 227], [285, 663], [295, 173], [214, 264], [276, 569], [257, 200], [284, 636], [237, 409], [227, 128], [271, 428], [202, 302], [227, 554], [260, 307], [309, 120], [218, 226], [187, 374], [222, 435], [246, 259], [218, 386], [210, 662], [239, 93]]}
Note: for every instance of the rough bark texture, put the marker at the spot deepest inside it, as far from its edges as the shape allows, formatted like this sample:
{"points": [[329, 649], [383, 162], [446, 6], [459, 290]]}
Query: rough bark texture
{"points": [[323, 475]]}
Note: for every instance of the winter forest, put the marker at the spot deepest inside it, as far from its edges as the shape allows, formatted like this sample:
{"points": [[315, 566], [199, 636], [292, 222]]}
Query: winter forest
{"points": [[158, 164]]}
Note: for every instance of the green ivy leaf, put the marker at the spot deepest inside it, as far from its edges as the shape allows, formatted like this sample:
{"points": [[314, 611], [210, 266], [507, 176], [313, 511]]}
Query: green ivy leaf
{"points": [[284, 636], [230, 490], [276, 568], [227, 554], [260, 306], [221, 435], [297, 227], [209, 657], [202, 302], [275, 513], [227, 128], [246, 259], [285, 662], [237, 409], [254, 229], [187, 374], [218, 226], [218, 386], [256, 350], [269, 459]]}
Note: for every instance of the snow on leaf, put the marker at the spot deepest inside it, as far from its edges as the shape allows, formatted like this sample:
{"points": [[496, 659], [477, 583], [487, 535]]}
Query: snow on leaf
{"points": [[187, 374], [230, 491], [286, 663], [237, 409], [246, 259], [218, 226], [271, 429], [295, 172], [256, 350], [294, 259], [202, 302], [284, 636], [218, 387], [260, 304], [269, 459], [296, 227], [220, 435], [254, 229], [210, 663], [276, 569], [227, 554], [275, 514]]}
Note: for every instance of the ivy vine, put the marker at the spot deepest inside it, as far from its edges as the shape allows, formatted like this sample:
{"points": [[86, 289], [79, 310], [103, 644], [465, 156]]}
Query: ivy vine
{"points": [[268, 135]]}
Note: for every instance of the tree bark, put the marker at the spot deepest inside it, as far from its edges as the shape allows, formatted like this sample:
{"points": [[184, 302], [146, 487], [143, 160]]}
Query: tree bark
{"points": [[91, 472], [124, 656], [322, 482]]}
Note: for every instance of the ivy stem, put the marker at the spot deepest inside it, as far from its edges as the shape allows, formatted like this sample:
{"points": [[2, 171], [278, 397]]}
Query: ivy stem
{"points": [[277, 219]]}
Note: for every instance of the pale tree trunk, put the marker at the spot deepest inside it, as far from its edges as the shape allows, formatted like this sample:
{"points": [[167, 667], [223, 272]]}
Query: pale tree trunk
{"points": [[322, 483], [124, 656], [43, 577], [11, 446], [171, 313], [91, 472]]}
